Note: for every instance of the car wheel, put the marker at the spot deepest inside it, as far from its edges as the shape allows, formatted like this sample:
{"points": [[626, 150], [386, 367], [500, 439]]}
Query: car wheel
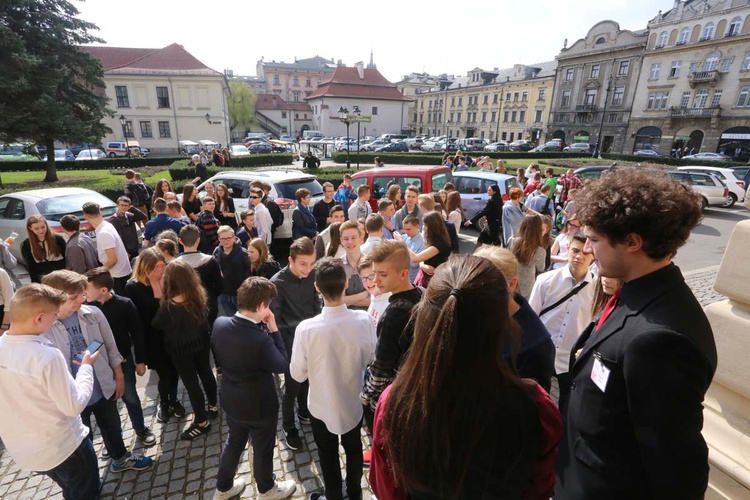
{"points": [[112, 155], [731, 200], [704, 203]]}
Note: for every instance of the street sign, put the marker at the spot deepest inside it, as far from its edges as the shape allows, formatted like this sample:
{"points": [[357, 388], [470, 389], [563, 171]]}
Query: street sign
{"points": [[358, 118]]}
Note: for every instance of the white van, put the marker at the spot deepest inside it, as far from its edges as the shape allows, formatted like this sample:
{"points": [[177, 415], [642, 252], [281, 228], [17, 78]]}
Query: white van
{"points": [[392, 137], [309, 135]]}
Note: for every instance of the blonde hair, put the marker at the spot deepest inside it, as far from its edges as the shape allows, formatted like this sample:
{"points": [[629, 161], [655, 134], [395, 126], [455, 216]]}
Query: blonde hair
{"points": [[145, 263], [66, 280], [502, 258], [34, 299]]}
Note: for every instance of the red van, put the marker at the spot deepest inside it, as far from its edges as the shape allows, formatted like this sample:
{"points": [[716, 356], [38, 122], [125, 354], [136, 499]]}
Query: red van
{"points": [[426, 178]]}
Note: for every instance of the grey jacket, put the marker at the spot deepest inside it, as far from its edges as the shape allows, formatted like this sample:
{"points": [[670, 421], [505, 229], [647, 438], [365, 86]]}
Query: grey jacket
{"points": [[81, 254]]}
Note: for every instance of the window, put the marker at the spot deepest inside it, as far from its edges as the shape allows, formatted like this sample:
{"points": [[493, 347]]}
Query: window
{"points": [[453, 101], [484, 116], [711, 62], [725, 65], [708, 32], [429, 104], [618, 96], [451, 120], [421, 117], [565, 102], [542, 94], [522, 116], [505, 116], [429, 117], [538, 116], [283, 114], [524, 96], [122, 96], [685, 100], [734, 26], [421, 104], [655, 69], [129, 130], [276, 80], [513, 115], [657, 100], [716, 98], [674, 72], [507, 97], [146, 129], [308, 82], [515, 96], [162, 97], [494, 99], [458, 117], [595, 71], [562, 118], [624, 67], [662, 40], [486, 99], [295, 96], [742, 100], [590, 98], [569, 75], [460, 101], [693, 68], [493, 117], [746, 62], [684, 36], [295, 81], [614, 118], [600, 40], [374, 110], [701, 96], [164, 130]]}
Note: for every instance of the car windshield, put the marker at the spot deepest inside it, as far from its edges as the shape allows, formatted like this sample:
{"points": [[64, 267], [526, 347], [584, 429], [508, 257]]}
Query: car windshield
{"points": [[11, 150], [53, 209], [289, 189]]}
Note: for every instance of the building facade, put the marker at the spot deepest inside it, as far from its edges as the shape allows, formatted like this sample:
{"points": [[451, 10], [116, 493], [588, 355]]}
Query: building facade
{"points": [[297, 80], [277, 117], [365, 88], [413, 84], [507, 105], [595, 86], [165, 95], [694, 91]]}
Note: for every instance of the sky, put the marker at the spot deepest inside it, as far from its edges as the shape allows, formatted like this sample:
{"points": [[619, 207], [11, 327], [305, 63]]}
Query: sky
{"points": [[405, 37]]}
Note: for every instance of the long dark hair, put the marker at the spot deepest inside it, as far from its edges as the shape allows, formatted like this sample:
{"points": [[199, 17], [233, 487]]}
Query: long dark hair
{"points": [[335, 232], [187, 193], [527, 239], [435, 229], [37, 250], [454, 375], [181, 279]]}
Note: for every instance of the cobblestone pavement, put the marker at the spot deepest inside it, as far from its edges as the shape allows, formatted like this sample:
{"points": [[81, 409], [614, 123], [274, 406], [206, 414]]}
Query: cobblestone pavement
{"points": [[187, 469]]}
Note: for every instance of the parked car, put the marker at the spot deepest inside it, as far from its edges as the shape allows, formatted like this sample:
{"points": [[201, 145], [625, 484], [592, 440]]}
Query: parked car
{"points": [[727, 176], [62, 155], [546, 147], [521, 145], [447, 146], [430, 146], [471, 144], [392, 147], [18, 152], [712, 190], [284, 185], [426, 178], [238, 150], [370, 146], [648, 152], [591, 171], [52, 203], [579, 147], [91, 154], [472, 186], [744, 174], [414, 142], [287, 138], [260, 148], [707, 157], [496, 146], [145, 152]]}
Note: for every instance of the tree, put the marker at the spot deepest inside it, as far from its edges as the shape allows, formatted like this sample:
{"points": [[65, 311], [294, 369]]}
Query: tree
{"points": [[241, 106], [49, 88]]}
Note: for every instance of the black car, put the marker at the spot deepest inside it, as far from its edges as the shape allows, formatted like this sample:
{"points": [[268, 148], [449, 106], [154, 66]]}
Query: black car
{"points": [[393, 146], [260, 148]]}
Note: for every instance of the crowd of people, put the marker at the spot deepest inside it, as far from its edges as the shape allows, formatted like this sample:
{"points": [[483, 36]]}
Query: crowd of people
{"points": [[376, 321]]}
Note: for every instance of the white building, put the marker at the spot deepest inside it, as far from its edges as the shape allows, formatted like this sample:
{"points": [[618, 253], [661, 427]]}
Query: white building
{"points": [[166, 95]]}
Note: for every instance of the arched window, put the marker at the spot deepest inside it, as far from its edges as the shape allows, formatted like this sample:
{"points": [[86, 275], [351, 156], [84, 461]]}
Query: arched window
{"points": [[600, 40], [662, 39], [708, 32], [711, 62], [734, 26], [684, 36]]}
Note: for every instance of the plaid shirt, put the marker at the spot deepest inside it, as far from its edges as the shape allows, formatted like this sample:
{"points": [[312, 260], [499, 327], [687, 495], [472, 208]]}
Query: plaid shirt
{"points": [[567, 184]]}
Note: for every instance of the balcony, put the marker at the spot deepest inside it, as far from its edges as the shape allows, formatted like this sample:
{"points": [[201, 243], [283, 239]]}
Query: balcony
{"points": [[701, 77], [713, 112], [586, 108]]}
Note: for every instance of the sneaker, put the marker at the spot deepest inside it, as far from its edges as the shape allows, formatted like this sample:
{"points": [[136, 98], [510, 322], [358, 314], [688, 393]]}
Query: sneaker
{"points": [[281, 489], [316, 496], [147, 437], [105, 453], [213, 412], [366, 457], [132, 462], [304, 418], [236, 489], [292, 439], [194, 431], [177, 409], [163, 414]]}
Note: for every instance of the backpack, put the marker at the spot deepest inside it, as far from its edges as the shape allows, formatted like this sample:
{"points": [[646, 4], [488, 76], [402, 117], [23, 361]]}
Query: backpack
{"points": [[277, 216], [140, 193], [546, 210]]}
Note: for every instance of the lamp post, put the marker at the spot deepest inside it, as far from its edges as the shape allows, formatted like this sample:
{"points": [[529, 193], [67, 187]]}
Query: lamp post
{"points": [[123, 122], [344, 117], [356, 111], [598, 151]]}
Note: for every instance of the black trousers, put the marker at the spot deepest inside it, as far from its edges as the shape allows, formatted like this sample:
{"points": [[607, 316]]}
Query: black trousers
{"points": [[328, 451], [191, 367], [168, 379], [263, 435], [293, 391]]}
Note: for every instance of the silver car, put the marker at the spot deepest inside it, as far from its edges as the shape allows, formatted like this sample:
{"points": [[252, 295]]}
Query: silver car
{"points": [[713, 191], [472, 186], [52, 203]]}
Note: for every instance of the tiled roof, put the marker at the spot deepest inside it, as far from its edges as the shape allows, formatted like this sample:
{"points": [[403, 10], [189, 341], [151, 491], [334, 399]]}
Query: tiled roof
{"points": [[315, 63], [172, 58], [271, 101], [345, 82]]}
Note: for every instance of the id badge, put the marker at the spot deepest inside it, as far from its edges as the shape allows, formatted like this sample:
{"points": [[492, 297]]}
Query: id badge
{"points": [[599, 372]]}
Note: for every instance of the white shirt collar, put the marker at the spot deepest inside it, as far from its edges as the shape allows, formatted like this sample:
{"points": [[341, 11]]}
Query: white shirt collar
{"points": [[240, 315]]}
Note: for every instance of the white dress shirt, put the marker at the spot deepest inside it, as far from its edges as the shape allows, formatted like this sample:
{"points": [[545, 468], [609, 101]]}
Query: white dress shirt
{"points": [[263, 223], [567, 321], [332, 350], [367, 245], [40, 423]]}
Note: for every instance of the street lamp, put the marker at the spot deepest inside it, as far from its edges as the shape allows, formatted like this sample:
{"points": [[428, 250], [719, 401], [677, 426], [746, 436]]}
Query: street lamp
{"points": [[344, 117], [598, 151], [356, 111], [123, 122]]}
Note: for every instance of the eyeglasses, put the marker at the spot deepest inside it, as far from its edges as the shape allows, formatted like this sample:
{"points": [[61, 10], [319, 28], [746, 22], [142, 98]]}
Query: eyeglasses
{"points": [[254, 197], [575, 226], [368, 278], [228, 238]]}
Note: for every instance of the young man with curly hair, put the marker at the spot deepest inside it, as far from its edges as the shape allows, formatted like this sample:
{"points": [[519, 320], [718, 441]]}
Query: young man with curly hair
{"points": [[639, 373]]}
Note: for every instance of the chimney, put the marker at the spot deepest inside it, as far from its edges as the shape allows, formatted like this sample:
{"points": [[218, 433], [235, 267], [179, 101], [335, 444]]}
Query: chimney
{"points": [[360, 69]]}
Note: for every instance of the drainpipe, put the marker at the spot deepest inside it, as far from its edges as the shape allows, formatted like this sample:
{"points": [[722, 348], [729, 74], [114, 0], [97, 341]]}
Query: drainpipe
{"points": [[174, 113]]}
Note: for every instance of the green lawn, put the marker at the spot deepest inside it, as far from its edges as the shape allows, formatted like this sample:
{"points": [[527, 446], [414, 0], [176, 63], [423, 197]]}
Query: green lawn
{"points": [[97, 180]]}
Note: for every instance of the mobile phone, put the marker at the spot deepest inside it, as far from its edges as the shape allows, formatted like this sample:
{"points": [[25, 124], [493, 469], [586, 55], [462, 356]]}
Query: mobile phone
{"points": [[91, 348]]}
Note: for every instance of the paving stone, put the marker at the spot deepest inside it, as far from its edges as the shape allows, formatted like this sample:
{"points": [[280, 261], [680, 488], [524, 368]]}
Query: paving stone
{"points": [[155, 492], [176, 485], [193, 486]]}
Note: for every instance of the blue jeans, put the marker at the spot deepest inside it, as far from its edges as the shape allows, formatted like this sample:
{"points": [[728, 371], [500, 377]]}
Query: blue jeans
{"points": [[108, 419], [228, 304], [130, 398], [78, 475]]}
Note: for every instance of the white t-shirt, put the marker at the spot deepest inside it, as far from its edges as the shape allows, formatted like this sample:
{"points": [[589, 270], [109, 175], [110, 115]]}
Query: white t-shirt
{"points": [[564, 241], [107, 237], [378, 303]]}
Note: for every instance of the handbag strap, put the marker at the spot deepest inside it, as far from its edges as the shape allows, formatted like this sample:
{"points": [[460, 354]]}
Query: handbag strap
{"points": [[568, 295]]}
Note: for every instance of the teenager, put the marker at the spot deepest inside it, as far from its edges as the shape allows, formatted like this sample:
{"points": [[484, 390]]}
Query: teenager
{"points": [[454, 210], [428, 204], [235, 267], [191, 204], [209, 226], [125, 221], [387, 211], [559, 250], [303, 220], [491, 234], [345, 193], [437, 248], [297, 300], [161, 222], [322, 242], [528, 249], [378, 299], [331, 351], [43, 250], [261, 260], [410, 207], [247, 230], [414, 240], [375, 227], [263, 220], [513, 213], [109, 246], [361, 208], [249, 347], [174, 210], [206, 266], [183, 317], [224, 210], [351, 239], [322, 209], [80, 250]]}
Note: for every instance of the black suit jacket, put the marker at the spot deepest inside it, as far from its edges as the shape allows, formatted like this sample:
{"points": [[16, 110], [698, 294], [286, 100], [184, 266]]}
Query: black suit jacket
{"points": [[248, 357], [640, 438]]}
